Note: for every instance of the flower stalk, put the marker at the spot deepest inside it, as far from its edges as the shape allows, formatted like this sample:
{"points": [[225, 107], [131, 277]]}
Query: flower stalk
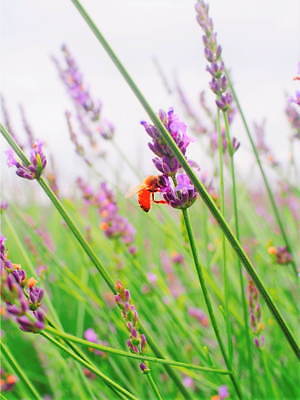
{"points": [[208, 303]]}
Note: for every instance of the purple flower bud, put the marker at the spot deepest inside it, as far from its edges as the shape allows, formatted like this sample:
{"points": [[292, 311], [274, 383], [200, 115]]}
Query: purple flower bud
{"points": [[39, 314], [224, 101], [35, 295], [15, 310], [19, 275], [144, 368], [183, 195]]}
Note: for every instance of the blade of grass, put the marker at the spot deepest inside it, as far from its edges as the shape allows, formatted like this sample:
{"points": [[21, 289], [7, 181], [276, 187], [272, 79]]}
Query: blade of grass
{"points": [[208, 303], [144, 357], [154, 386]]}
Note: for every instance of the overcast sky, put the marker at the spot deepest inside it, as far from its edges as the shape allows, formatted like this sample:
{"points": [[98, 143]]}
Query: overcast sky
{"points": [[260, 42]]}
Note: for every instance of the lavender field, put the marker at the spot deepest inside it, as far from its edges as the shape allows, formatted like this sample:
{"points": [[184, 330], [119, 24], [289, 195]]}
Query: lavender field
{"points": [[164, 268]]}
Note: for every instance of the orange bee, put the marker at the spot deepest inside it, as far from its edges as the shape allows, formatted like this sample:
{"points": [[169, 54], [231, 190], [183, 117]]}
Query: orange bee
{"points": [[145, 192]]}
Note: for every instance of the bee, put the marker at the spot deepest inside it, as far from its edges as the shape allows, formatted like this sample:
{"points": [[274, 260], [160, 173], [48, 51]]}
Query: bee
{"points": [[145, 192]]}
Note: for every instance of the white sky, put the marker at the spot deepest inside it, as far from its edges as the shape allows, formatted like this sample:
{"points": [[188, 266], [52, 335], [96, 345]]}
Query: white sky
{"points": [[260, 42]]}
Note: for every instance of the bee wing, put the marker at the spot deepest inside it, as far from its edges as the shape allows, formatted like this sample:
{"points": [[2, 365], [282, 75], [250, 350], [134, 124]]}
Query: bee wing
{"points": [[132, 191]]}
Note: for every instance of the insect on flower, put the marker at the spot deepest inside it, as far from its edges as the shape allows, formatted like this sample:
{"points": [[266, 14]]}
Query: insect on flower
{"points": [[145, 192]]}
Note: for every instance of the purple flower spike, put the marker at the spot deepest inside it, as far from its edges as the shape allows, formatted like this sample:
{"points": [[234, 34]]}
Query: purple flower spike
{"points": [[137, 341], [22, 299], [213, 52]]}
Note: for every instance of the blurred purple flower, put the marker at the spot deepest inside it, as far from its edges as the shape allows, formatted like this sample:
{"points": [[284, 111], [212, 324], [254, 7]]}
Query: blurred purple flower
{"points": [[223, 392], [199, 315], [3, 205], [36, 166], [113, 224], [293, 116], [256, 324], [137, 341], [188, 382], [21, 297], [88, 110], [92, 336], [296, 99]]}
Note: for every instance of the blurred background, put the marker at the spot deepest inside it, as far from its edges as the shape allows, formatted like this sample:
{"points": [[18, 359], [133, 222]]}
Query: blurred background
{"points": [[260, 43]]}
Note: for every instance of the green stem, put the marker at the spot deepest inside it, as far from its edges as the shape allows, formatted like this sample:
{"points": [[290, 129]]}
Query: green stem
{"points": [[208, 303], [225, 272], [194, 179], [263, 174], [19, 371], [123, 353], [237, 232], [106, 379], [154, 386], [270, 382]]}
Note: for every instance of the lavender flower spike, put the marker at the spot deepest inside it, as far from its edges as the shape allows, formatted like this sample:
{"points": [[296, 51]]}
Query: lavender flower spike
{"points": [[137, 341], [22, 299], [212, 52]]}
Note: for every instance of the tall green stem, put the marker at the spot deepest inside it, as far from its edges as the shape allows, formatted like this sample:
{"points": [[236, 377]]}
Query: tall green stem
{"points": [[263, 174], [136, 356], [208, 303], [19, 371], [225, 272], [239, 266], [154, 386], [194, 179]]}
